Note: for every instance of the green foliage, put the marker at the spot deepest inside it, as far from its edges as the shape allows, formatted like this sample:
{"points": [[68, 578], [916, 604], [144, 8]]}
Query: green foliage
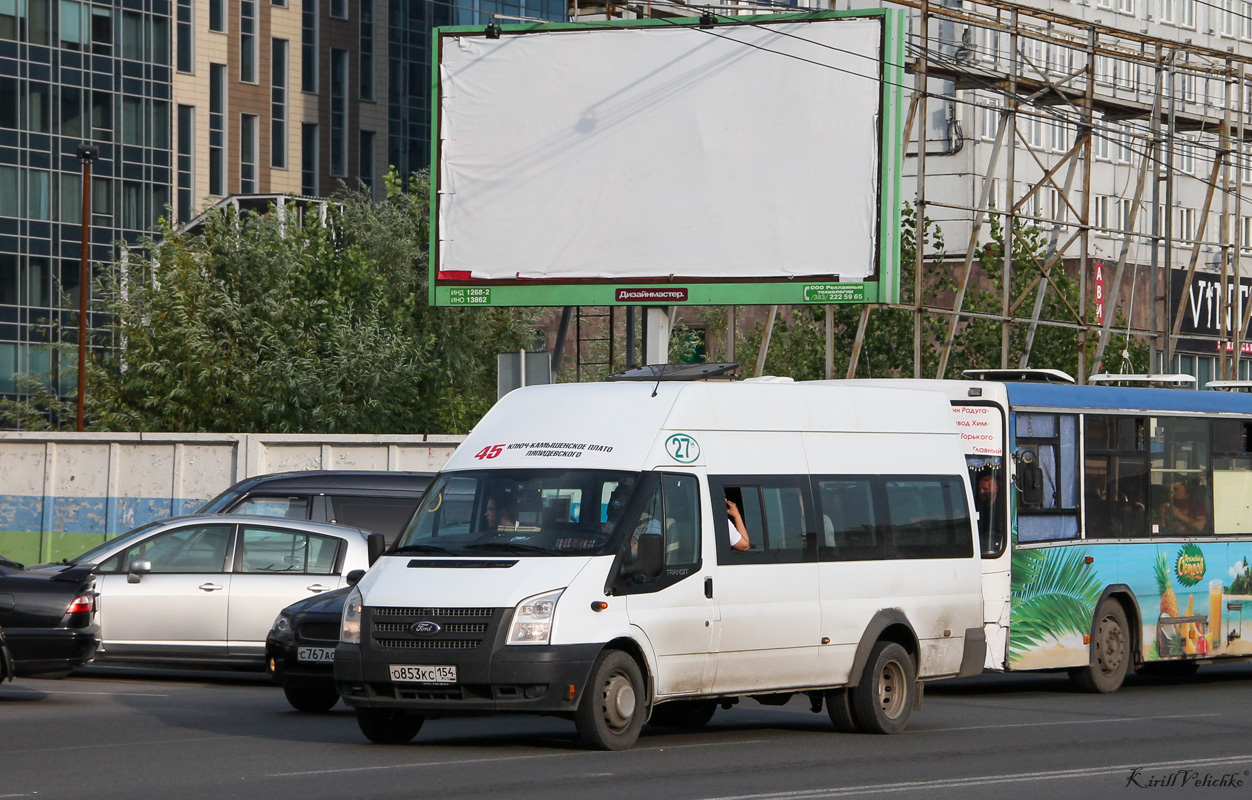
{"points": [[1054, 593], [262, 324]]}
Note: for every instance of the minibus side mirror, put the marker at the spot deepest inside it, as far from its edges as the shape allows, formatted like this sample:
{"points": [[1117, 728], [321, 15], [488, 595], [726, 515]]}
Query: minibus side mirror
{"points": [[1029, 479], [648, 561], [375, 544]]}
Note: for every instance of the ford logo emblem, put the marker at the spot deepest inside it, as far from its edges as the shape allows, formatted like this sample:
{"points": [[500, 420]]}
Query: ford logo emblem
{"points": [[425, 628]]}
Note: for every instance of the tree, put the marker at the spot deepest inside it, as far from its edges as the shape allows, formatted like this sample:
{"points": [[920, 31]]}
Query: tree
{"points": [[262, 324]]}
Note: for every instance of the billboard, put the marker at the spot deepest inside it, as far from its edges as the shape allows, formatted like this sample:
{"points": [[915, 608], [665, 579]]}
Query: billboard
{"points": [[664, 161], [1208, 311]]}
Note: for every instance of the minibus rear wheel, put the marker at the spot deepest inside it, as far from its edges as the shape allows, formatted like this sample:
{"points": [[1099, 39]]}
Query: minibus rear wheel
{"points": [[613, 705], [839, 707], [883, 700], [388, 726]]}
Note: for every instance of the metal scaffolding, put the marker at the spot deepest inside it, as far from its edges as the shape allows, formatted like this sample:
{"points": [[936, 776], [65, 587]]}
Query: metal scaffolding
{"points": [[1076, 74]]}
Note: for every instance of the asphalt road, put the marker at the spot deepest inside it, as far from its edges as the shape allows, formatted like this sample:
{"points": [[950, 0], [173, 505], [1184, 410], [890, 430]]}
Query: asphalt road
{"points": [[204, 735]]}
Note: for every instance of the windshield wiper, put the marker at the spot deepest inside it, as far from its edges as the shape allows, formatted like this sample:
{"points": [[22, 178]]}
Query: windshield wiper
{"points": [[507, 547], [417, 548]]}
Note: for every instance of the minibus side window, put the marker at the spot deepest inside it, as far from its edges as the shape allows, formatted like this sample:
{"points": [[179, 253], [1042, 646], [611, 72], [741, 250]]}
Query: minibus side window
{"points": [[776, 514], [673, 511], [682, 515], [929, 518], [850, 527]]}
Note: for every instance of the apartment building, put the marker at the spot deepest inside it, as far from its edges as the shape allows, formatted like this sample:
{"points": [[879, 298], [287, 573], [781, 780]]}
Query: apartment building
{"points": [[190, 102]]}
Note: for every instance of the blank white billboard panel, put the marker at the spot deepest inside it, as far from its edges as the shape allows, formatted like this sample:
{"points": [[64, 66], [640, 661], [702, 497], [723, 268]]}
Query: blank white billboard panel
{"points": [[738, 151]]}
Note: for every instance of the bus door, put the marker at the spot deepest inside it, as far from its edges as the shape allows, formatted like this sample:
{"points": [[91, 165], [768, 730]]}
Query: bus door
{"points": [[768, 604]]}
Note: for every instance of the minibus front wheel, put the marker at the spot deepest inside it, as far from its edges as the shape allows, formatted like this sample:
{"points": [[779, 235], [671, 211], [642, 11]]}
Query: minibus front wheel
{"points": [[388, 726], [613, 704]]}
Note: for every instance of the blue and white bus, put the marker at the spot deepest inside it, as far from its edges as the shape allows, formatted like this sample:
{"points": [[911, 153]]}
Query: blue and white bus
{"points": [[1116, 523]]}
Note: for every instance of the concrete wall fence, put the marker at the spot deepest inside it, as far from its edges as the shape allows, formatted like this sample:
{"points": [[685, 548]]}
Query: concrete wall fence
{"points": [[62, 493]]}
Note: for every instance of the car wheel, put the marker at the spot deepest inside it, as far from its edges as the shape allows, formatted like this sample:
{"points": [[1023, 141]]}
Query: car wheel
{"points": [[612, 708], [387, 726], [883, 701], [313, 699], [683, 714]]}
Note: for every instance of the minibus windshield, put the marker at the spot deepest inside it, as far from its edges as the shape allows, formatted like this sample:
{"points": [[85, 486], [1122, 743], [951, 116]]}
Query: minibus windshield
{"points": [[520, 512]]}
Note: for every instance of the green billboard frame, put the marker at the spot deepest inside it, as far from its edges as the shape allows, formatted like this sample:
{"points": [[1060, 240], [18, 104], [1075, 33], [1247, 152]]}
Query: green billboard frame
{"points": [[676, 291]]}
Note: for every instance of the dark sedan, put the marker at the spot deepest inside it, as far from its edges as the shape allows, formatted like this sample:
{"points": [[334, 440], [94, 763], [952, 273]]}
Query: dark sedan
{"points": [[48, 618], [300, 650]]}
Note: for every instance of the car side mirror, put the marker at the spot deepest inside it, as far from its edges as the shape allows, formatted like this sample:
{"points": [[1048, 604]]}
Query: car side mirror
{"points": [[375, 544], [138, 569], [354, 577], [649, 559]]}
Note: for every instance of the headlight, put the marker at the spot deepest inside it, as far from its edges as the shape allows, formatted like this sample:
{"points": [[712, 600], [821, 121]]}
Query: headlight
{"points": [[350, 628], [532, 620], [281, 625]]}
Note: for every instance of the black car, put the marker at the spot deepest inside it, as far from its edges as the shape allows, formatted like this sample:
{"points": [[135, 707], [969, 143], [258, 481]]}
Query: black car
{"points": [[300, 650], [374, 501], [48, 618]]}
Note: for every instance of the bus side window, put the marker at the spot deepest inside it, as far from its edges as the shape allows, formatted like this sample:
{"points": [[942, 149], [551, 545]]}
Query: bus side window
{"points": [[1053, 441]]}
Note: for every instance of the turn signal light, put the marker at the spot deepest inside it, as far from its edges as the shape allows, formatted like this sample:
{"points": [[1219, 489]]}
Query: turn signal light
{"points": [[599, 605], [572, 691], [1086, 640]]}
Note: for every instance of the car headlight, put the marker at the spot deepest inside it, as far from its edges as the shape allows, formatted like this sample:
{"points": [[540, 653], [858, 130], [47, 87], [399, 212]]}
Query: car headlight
{"points": [[350, 627], [282, 624], [532, 619]]}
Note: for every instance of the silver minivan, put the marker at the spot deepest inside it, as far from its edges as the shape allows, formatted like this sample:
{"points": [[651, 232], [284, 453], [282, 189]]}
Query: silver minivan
{"points": [[207, 587]]}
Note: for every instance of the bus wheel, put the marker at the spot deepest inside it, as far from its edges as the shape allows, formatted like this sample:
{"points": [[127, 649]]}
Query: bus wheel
{"points": [[387, 726], [612, 708], [883, 701], [839, 707], [1110, 651], [683, 714], [313, 699]]}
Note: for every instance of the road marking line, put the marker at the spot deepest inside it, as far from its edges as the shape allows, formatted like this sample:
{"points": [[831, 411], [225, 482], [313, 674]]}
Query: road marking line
{"points": [[108, 694], [1066, 722], [346, 770], [982, 780], [123, 744]]}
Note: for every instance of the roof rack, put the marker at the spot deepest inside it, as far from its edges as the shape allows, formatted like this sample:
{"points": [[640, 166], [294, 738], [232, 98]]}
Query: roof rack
{"points": [[1019, 375], [1229, 386], [678, 372], [1176, 379]]}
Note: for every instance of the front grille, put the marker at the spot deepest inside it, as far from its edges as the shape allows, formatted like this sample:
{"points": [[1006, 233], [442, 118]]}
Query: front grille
{"points": [[392, 628], [318, 632], [428, 644], [454, 627], [434, 612]]}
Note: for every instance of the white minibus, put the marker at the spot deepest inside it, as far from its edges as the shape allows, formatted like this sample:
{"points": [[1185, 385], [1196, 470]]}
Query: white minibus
{"points": [[621, 553]]}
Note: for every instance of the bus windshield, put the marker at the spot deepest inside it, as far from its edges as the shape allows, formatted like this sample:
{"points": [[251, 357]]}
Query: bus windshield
{"points": [[520, 512]]}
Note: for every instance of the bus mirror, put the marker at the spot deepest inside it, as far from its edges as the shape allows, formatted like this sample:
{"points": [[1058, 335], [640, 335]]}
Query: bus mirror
{"points": [[648, 559], [1029, 479]]}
